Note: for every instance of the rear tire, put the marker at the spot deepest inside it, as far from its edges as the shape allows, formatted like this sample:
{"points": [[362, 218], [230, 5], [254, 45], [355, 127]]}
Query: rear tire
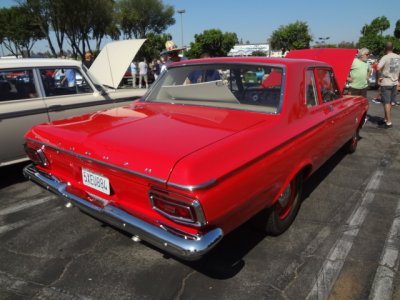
{"points": [[351, 145], [278, 218]]}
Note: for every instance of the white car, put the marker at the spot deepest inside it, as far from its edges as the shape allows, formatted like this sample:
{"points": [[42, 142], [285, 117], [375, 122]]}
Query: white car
{"points": [[41, 90]]}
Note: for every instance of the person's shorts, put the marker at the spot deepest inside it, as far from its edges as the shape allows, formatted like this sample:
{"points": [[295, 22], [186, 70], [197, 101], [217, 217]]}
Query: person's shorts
{"points": [[358, 92], [389, 93]]}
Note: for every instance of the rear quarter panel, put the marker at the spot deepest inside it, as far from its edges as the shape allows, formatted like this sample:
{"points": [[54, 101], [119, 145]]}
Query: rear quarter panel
{"points": [[253, 167]]}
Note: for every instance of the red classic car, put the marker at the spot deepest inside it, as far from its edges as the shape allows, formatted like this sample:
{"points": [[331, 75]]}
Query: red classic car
{"points": [[213, 143]]}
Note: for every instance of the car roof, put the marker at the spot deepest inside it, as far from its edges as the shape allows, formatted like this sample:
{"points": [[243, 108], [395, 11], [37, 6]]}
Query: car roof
{"points": [[252, 59], [37, 62]]}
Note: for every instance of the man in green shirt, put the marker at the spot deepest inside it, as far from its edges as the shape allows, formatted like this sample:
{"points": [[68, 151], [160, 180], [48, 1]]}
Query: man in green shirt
{"points": [[359, 72]]}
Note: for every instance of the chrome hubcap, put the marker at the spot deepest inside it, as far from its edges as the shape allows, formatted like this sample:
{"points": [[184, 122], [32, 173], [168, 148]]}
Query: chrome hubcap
{"points": [[284, 197]]}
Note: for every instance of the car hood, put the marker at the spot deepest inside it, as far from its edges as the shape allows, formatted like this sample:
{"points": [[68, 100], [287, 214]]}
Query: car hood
{"points": [[340, 60], [110, 65], [148, 139]]}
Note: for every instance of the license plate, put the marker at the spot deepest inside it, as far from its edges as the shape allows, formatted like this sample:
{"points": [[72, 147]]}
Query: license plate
{"points": [[96, 181]]}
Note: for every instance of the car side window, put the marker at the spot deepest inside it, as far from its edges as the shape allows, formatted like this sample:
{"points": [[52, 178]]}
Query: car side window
{"points": [[327, 85], [311, 91], [64, 81], [17, 84]]}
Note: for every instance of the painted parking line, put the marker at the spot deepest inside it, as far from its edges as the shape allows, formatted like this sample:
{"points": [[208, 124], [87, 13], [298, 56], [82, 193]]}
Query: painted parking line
{"points": [[27, 204], [54, 212], [15, 225], [334, 262], [382, 287]]}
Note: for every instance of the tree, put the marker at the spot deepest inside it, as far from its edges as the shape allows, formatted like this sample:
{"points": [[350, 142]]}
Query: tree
{"points": [[212, 41], [377, 26], [104, 22], [140, 17], [153, 46], [293, 36], [18, 32], [41, 16], [75, 20], [397, 30], [344, 44], [372, 36], [325, 45]]}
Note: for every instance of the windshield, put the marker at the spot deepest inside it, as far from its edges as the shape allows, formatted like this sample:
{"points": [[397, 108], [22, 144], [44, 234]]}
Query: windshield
{"points": [[238, 86]]}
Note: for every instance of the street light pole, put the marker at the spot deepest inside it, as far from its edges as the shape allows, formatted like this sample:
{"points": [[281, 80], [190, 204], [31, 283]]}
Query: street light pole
{"points": [[323, 39], [181, 12]]}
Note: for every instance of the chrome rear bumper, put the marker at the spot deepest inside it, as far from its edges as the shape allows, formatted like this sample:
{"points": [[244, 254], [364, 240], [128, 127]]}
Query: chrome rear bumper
{"points": [[187, 249]]}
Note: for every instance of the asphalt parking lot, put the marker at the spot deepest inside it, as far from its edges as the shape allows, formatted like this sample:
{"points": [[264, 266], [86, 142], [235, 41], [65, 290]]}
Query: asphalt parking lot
{"points": [[344, 243]]}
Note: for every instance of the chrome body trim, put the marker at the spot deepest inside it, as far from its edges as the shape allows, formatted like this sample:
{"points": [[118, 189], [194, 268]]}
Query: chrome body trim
{"points": [[193, 187], [97, 161], [177, 245], [162, 181]]}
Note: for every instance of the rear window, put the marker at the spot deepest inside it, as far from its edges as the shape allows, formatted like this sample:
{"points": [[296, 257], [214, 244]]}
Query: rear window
{"points": [[237, 86]]}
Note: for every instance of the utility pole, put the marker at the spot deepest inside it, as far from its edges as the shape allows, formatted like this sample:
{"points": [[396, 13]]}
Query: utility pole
{"points": [[181, 12]]}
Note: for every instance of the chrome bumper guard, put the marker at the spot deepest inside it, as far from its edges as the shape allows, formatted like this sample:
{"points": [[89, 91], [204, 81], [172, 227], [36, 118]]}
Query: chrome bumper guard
{"points": [[187, 249]]}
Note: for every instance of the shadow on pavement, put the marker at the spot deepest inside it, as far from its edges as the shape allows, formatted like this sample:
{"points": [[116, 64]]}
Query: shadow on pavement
{"points": [[12, 174], [375, 119], [227, 258]]}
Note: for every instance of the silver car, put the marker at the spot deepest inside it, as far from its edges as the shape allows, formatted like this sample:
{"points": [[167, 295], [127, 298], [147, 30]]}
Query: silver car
{"points": [[41, 90]]}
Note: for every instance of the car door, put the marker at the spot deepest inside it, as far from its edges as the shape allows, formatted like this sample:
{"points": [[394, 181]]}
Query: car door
{"points": [[319, 116], [338, 116], [69, 92], [21, 107]]}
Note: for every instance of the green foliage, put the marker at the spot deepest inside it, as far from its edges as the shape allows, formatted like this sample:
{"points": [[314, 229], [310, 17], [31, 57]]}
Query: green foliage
{"points": [[154, 44], [212, 41], [375, 44], [373, 38], [43, 17], [344, 44], [324, 45], [293, 36], [17, 31], [258, 53], [377, 26], [82, 22], [139, 17], [76, 20], [397, 30]]}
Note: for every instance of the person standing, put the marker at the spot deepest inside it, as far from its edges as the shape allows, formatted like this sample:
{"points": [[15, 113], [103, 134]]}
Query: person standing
{"points": [[156, 68], [143, 73], [359, 73], [88, 59], [70, 78], [389, 68], [133, 73]]}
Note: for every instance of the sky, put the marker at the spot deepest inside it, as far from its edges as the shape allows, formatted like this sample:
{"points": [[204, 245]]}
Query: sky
{"points": [[255, 20]]}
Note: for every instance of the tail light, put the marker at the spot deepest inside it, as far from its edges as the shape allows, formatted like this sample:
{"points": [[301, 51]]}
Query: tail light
{"points": [[178, 208], [36, 154]]}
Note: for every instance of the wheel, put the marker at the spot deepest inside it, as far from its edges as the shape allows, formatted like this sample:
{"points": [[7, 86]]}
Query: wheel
{"points": [[278, 218], [351, 145]]}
